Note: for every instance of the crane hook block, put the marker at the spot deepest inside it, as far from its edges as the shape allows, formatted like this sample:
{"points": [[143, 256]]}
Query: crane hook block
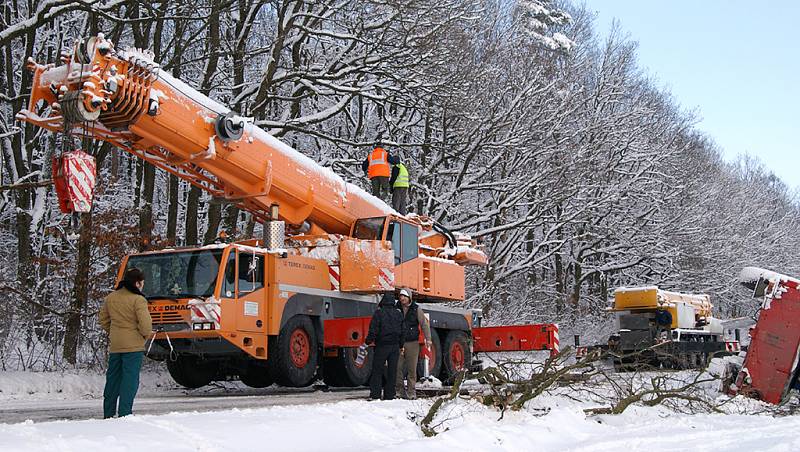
{"points": [[74, 175]]}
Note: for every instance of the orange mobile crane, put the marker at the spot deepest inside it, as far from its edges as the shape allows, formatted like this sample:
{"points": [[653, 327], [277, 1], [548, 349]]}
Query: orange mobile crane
{"points": [[281, 309]]}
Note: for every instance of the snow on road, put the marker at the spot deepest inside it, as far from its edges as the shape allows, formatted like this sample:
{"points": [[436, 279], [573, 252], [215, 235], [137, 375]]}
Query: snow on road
{"points": [[14, 411], [49, 396]]}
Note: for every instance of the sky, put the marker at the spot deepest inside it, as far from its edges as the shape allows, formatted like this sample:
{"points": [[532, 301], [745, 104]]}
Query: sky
{"points": [[736, 63]]}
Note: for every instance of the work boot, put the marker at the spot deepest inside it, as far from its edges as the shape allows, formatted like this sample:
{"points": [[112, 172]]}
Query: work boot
{"points": [[412, 395]]}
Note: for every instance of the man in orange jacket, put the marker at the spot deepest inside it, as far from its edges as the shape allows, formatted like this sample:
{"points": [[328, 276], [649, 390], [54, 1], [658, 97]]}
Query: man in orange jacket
{"points": [[378, 171]]}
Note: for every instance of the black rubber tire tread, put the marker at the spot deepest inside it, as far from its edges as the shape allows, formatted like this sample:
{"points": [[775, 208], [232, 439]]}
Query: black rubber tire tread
{"points": [[332, 372], [257, 376], [282, 369], [190, 372], [341, 371]]}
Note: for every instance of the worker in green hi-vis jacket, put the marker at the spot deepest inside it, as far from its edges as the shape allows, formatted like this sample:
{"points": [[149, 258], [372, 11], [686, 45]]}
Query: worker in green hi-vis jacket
{"points": [[124, 316], [399, 183]]}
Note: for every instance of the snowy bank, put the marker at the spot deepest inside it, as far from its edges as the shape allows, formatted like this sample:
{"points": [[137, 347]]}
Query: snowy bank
{"points": [[390, 426], [70, 385]]}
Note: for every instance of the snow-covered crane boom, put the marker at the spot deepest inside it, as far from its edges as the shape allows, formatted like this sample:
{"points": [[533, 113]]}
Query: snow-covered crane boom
{"points": [[123, 98]]}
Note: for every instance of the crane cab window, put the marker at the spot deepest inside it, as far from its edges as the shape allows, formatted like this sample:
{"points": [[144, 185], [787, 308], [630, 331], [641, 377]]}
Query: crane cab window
{"points": [[251, 272], [369, 228], [179, 274], [249, 276], [229, 283], [405, 241]]}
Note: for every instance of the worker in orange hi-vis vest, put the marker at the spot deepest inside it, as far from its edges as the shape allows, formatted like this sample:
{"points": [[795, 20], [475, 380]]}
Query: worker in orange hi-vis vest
{"points": [[378, 171]]}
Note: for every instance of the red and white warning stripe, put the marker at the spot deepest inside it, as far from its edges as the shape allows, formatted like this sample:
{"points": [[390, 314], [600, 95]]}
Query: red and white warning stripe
{"points": [[386, 278], [80, 172], [206, 311], [334, 276], [732, 346], [556, 346]]}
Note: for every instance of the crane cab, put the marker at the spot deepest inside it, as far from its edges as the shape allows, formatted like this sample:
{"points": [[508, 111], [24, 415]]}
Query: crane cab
{"points": [[420, 252]]}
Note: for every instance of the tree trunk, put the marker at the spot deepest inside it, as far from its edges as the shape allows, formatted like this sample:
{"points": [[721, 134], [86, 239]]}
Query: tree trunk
{"points": [[576, 289], [146, 207], [23, 198], [192, 204], [80, 292], [251, 227], [231, 222], [137, 191], [172, 213], [214, 218], [559, 267], [114, 167]]}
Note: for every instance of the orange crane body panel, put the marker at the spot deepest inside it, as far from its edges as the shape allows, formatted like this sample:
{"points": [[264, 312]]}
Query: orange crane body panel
{"points": [[256, 167]]}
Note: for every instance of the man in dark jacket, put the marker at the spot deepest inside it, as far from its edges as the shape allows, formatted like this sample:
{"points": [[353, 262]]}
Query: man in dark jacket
{"points": [[386, 333], [413, 320], [124, 316]]}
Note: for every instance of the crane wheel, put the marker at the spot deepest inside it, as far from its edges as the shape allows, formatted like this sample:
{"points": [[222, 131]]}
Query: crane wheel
{"points": [[190, 372], [256, 376], [456, 355], [293, 354], [342, 371]]}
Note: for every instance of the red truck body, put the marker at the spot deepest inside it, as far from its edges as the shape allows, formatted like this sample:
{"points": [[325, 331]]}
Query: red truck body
{"points": [[770, 367]]}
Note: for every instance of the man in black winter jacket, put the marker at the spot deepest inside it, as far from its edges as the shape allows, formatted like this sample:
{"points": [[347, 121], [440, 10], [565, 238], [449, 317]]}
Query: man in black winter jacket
{"points": [[386, 333]]}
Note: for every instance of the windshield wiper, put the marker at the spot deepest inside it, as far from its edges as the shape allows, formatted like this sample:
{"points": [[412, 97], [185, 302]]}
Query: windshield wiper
{"points": [[193, 295], [162, 297], [178, 296]]}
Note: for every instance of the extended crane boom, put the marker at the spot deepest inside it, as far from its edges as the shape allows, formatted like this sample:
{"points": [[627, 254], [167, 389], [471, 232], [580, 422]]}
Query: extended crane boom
{"points": [[124, 99]]}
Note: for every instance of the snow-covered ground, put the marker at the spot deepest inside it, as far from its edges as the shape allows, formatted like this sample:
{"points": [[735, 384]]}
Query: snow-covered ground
{"points": [[319, 422], [390, 426], [71, 385], [50, 396]]}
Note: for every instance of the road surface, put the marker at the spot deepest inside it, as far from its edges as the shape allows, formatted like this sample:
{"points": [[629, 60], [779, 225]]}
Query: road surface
{"points": [[13, 411]]}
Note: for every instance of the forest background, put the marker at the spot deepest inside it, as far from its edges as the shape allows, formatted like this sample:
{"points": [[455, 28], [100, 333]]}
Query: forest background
{"points": [[519, 125]]}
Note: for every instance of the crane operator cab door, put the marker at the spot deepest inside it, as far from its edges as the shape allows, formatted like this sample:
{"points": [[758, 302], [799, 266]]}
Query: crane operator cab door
{"points": [[244, 285], [405, 244], [404, 238]]}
